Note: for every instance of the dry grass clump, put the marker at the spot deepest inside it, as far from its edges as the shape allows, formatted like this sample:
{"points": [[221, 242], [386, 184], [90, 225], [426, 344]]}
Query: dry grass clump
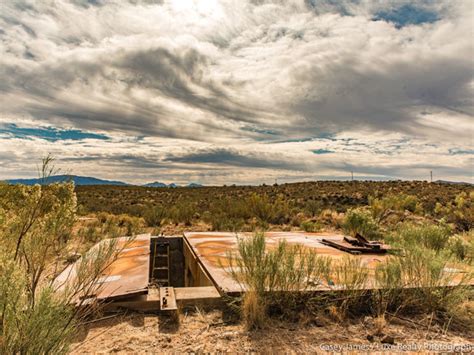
{"points": [[254, 310]]}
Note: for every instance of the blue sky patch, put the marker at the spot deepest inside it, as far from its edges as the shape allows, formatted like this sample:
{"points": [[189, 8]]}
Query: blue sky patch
{"points": [[259, 130], [322, 151], [320, 136], [461, 151], [49, 133], [407, 15]]}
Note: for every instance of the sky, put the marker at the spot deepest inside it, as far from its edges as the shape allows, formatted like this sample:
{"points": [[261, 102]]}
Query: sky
{"points": [[235, 91]]}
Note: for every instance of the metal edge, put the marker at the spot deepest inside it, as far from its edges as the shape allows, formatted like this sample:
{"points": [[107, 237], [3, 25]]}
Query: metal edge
{"points": [[203, 267]]}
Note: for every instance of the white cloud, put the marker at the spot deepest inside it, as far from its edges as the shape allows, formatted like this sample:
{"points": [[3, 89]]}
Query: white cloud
{"points": [[208, 80]]}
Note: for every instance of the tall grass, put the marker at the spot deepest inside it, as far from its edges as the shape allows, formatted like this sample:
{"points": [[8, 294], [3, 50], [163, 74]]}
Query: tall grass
{"points": [[270, 277], [423, 281], [280, 279]]}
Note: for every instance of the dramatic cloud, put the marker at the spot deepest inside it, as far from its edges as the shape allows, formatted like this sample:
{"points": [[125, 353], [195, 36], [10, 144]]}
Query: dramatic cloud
{"points": [[238, 91]]}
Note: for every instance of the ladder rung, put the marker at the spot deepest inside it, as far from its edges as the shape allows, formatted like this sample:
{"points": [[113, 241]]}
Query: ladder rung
{"points": [[161, 268]]}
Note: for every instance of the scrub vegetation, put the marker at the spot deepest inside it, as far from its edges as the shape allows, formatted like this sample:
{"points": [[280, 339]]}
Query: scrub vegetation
{"points": [[429, 226], [308, 205], [38, 315], [406, 284]]}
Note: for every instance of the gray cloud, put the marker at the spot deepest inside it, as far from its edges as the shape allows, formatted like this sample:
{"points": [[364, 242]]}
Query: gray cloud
{"points": [[227, 157], [207, 83], [390, 99]]}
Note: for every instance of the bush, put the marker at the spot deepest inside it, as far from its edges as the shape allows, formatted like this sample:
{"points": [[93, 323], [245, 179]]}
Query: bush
{"points": [[361, 221], [310, 226], [415, 283], [260, 207], [462, 246], [383, 207], [227, 215], [313, 207], [434, 237], [460, 211], [350, 276], [267, 212], [183, 212], [222, 222], [332, 218], [154, 215], [36, 315], [270, 277]]}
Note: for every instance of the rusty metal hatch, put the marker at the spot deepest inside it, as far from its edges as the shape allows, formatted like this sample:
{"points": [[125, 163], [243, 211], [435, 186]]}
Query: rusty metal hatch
{"points": [[126, 276]]}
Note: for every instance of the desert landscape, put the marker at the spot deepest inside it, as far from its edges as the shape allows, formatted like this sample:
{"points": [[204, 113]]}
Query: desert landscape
{"points": [[236, 176], [428, 225]]}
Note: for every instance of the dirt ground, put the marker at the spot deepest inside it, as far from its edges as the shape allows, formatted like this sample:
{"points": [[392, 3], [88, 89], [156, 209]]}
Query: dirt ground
{"points": [[203, 332]]}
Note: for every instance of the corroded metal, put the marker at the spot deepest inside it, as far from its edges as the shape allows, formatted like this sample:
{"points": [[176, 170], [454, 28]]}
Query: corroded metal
{"points": [[126, 275], [214, 250]]}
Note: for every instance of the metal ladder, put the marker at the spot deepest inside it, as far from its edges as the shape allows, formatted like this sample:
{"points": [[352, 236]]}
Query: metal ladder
{"points": [[160, 273]]}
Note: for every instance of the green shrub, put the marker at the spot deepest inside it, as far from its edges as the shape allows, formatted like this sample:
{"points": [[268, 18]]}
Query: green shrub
{"points": [[267, 212], [310, 226], [415, 283], [313, 207], [183, 212], [270, 277], [227, 214], [38, 316], [383, 207], [361, 221], [431, 236], [221, 222], [351, 278], [462, 246], [260, 207], [460, 211], [90, 234], [154, 215]]}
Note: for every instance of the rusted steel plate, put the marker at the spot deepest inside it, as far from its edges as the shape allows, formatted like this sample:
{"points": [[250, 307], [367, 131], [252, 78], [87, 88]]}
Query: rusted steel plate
{"points": [[127, 275], [213, 249]]}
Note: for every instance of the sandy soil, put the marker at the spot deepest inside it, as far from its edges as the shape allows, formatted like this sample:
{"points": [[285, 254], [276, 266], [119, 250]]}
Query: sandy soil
{"points": [[199, 331]]}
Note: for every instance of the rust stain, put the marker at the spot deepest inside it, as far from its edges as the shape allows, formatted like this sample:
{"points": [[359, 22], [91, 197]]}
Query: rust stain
{"points": [[127, 275], [213, 249]]}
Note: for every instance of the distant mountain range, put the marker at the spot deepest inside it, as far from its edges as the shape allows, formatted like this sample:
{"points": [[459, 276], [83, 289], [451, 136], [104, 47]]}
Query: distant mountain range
{"points": [[86, 180]]}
